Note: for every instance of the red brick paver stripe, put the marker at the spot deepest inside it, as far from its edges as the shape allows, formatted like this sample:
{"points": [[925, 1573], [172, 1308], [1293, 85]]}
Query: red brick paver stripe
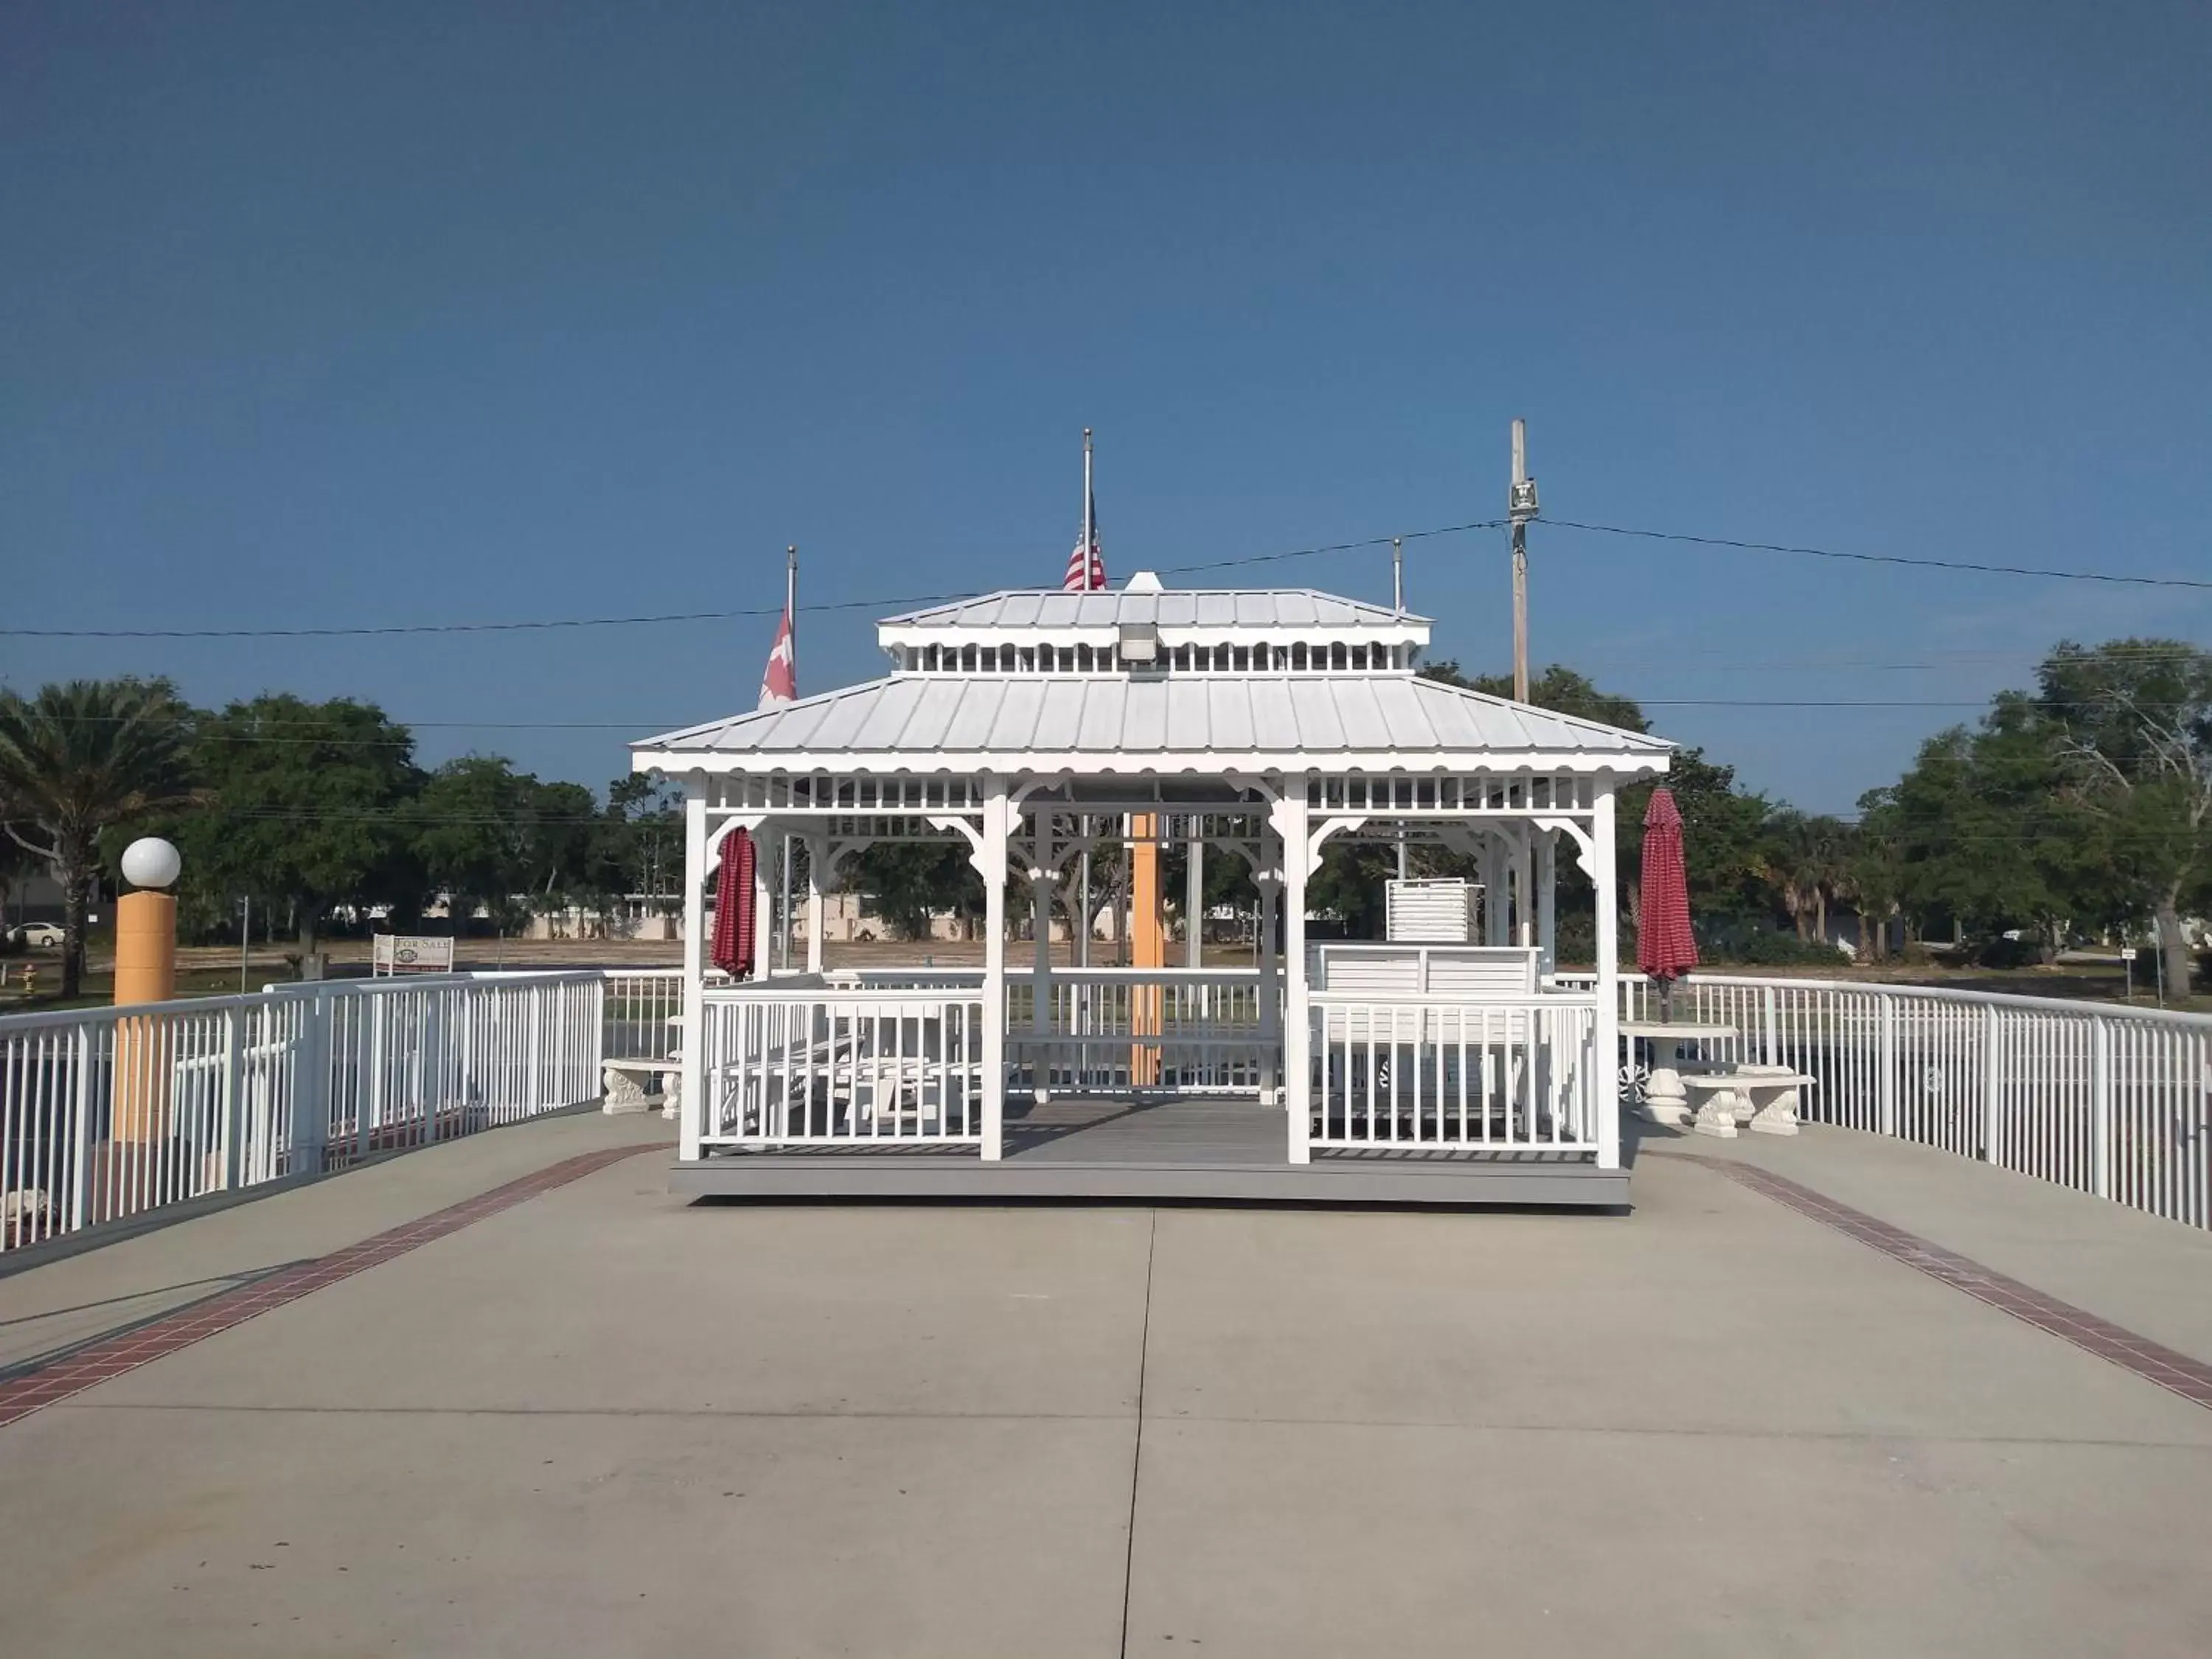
{"points": [[2152, 1361], [111, 1356]]}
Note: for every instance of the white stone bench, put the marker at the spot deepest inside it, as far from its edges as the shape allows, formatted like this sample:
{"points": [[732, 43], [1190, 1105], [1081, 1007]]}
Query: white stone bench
{"points": [[1763, 1097], [628, 1080]]}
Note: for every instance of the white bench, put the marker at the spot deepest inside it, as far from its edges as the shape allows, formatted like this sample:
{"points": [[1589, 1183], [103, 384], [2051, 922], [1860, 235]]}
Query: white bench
{"points": [[627, 1081], [1763, 1097]]}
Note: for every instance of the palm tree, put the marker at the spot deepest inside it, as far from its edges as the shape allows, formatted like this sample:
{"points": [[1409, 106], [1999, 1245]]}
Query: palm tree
{"points": [[75, 760]]}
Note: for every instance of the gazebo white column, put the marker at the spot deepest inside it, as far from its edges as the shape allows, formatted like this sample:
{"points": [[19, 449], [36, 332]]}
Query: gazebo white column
{"points": [[1042, 876], [764, 904], [1524, 879], [1193, 902], [1547, 900], [817, 880], [1495, 899], [1291, 819], [694, 1037], [1269, 880], [990, 862], [1605, 1090]]}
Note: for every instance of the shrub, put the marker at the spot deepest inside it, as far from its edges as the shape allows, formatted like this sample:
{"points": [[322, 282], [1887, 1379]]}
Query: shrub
{"points": [[2003, 953], [1764, 949]]}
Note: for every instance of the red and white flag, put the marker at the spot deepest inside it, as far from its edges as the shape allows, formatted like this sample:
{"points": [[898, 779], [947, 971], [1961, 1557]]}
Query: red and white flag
{"points": [[779, 680], [1087, 568]]}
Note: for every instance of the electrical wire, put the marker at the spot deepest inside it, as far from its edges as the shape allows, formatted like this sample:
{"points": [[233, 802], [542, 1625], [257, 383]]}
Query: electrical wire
{"points": [[1976, 567], [536, 625]]}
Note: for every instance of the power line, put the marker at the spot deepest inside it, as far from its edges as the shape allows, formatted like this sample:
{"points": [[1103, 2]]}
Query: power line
{"points": [[546, 625], [383, 630], [1886, 558], [1333, 547], [539, 625]]}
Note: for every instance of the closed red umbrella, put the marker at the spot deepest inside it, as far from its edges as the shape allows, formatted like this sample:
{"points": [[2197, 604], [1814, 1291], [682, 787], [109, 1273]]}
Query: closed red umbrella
{"points": [[1665, 947], [733, 907]]}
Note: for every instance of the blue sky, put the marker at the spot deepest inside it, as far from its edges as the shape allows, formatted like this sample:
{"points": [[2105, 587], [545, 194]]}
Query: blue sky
{"points": [[328, 314]]}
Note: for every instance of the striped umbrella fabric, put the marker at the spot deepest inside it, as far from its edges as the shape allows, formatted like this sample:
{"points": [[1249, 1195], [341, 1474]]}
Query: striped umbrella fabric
{"points": [[733, 907], [1665, 948]]}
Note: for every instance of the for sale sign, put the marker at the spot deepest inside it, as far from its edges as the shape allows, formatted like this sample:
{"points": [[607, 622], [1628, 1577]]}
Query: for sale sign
{"points": [[399, 953]]}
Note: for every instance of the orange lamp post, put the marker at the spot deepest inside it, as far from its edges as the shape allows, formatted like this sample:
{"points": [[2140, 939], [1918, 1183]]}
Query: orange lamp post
{"points": [[145, 971]]}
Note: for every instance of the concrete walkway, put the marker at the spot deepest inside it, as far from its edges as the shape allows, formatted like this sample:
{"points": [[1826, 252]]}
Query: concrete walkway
{"points": [[603, 1422]]}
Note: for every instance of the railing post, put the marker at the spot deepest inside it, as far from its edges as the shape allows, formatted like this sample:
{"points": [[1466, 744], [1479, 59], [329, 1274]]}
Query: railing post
{"points": [[2100, 1104], [1886, 1064], [81, 1129], [311, 1084], [371, 1100], [233, 1099], [1769, 1015], [1992, 1089]]}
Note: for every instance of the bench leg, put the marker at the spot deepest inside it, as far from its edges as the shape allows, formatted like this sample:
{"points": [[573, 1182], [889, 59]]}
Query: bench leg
{"points": [[1716, 1117], [1778, 1116], [623, 1093]]}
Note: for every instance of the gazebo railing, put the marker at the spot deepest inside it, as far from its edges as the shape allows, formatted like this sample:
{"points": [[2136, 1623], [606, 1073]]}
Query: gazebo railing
{"points": [[795, 1062], [2103, 1098], [1191, 1031], [1452, 1074]]}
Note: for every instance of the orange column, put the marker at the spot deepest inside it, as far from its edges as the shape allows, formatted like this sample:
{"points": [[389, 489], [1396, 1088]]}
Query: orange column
{"points": [[145, 971], [1148, 945]]}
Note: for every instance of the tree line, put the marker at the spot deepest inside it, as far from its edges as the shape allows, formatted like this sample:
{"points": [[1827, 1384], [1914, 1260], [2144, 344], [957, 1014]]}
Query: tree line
{"points": [[2080, 807], [309, 811]]}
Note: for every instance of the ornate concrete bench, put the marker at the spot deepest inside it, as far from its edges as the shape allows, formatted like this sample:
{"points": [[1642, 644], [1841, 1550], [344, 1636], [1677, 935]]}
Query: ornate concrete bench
{"points": [[1763, 1097], [627, 1082]]}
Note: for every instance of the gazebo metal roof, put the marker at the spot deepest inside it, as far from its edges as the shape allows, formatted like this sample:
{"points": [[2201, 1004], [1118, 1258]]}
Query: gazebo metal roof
{"points": [[1191, 607], [931, 721]]}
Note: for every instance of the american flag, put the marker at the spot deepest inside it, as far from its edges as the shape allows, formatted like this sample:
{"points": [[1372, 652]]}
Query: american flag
{"points": [[1087, 568]]}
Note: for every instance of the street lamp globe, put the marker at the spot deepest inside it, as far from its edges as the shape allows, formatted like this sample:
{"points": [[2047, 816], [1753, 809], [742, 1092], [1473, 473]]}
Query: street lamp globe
{"points": [[150, 861]]}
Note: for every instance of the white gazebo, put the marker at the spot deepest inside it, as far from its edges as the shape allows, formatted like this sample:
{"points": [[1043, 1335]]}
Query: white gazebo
{"points": [[1033, 727]]}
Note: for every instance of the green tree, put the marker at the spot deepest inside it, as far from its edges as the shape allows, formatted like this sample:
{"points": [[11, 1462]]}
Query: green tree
{"points": [[908, 882], [640, 839], [1810, 861], [78, 759], [1724, 828], [1983, 833], [2130, 725], [304, 808], [473, 825]]}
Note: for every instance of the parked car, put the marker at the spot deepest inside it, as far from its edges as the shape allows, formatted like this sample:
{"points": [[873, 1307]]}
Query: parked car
{"points": [[36, 932]]}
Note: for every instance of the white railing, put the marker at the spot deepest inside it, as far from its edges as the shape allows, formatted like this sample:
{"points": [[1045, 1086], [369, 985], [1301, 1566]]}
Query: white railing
{"points": [[642, 1007], [1188, 1030], [796, 1063], [110, 1113], [1438, 1073], [2111, 1101]]}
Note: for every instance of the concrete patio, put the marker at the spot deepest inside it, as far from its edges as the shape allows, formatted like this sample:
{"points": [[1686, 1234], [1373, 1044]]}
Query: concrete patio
{"points": [[599, 1420]]}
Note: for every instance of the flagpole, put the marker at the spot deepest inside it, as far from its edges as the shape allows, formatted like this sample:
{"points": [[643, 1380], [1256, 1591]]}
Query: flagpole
{"points": [[791, 621], [1088, 529]]}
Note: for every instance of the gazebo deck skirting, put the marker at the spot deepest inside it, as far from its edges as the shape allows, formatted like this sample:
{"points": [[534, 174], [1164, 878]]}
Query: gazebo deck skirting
{"points": [[1224, 1150], [1040, 731]]}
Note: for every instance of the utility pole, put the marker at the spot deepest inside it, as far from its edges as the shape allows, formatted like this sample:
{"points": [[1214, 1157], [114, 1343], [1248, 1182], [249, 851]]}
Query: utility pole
{"points": [[1520, 507]]}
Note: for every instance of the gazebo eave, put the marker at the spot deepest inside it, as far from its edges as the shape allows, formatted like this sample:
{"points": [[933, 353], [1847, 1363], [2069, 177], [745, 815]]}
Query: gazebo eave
{"points": [[1008, 764]]}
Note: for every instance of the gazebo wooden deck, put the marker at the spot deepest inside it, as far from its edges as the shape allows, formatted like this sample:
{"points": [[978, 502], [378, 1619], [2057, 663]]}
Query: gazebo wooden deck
{"points": [[1036, 727]]}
